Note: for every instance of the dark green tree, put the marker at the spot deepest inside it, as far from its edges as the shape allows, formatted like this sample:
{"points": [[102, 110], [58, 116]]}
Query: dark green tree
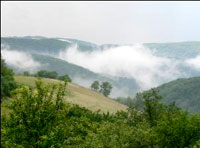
{"points": [[95, 86], [26, 73], [106, 88], [149, 102], [65, 78], [47, 74], [7, 80]]}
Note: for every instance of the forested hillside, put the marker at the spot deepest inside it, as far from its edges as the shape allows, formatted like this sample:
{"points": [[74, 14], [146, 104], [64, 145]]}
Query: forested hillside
{"points": [[185, 92]]}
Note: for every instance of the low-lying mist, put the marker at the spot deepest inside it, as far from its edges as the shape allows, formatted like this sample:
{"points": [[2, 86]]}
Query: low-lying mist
{"points": [[134, 61], [19, 60], [194, 62]]}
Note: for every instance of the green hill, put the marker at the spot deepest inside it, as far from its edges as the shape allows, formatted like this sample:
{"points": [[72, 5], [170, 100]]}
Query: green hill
{"points": [[81, 96], [45, 45], [185, 92]]}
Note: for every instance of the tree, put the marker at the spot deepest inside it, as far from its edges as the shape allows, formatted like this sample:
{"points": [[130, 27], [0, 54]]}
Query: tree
{"points": [[149, 102], [7, 80], [95, 86], [65, 78], [47, 74], [106, 88], [26, 73]]}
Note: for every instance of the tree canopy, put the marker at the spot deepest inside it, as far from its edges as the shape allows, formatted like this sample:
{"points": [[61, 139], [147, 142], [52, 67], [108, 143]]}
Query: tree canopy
{"points": [[65, 78], [47, 74], [95, 86], [40, 118], [7, 80], [106, 88]]}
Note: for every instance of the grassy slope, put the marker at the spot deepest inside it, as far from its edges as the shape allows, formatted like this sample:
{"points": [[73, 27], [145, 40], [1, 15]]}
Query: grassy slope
{"points": [[81, 96]]}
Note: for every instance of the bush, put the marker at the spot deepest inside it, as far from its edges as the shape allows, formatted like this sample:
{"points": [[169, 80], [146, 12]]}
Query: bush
{"points": [[65, 78], [39, 118], [7, 80], [36, 119], [47, 74]]}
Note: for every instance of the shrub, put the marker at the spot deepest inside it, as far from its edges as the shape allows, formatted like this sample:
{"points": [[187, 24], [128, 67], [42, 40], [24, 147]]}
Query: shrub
{"points": [[47, 74], [65, 78], [36, 118], [7, 80]]}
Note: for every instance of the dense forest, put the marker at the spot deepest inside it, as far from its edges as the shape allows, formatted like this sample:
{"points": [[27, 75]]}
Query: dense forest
{"points": [[39, 117], [184, 92]]}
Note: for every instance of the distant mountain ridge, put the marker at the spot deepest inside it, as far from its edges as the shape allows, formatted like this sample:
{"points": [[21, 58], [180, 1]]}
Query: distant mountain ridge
{"points": [[46, 50], [180, 50]]}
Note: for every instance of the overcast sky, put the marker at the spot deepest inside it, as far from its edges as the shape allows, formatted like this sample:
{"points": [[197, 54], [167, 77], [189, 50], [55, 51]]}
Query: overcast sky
{"points": [[103, 22]]}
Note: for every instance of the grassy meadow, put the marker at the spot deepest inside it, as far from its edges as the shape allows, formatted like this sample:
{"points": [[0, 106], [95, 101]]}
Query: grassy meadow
{"points": [[81, 96]]}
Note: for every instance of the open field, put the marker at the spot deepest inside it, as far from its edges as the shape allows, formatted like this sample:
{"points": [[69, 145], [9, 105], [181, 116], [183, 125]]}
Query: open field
{"points": [[81, 96]]}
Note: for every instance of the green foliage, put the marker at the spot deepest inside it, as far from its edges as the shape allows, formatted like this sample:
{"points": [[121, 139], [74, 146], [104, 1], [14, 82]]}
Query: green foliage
{"points": [[35, 119], [7, 80], [185, 92], [126, 101], [26, 73], [95, 86], [47, 74], [106, 88], [152, 107], [65, 78], [40, 118]]}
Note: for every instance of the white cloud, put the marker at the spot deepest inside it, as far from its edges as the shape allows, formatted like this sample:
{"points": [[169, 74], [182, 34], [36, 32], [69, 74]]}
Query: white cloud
{"points": [[20, 60], [134, 61], [194, 62]]}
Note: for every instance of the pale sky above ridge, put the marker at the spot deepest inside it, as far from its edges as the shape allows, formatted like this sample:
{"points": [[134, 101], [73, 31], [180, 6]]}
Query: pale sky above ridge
{"points": [[103, 22]]}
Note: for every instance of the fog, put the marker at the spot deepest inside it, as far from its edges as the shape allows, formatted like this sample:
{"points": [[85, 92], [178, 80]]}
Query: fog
{"points": [[131, 61], [194, 62], [134, 61], [20, 60]]}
